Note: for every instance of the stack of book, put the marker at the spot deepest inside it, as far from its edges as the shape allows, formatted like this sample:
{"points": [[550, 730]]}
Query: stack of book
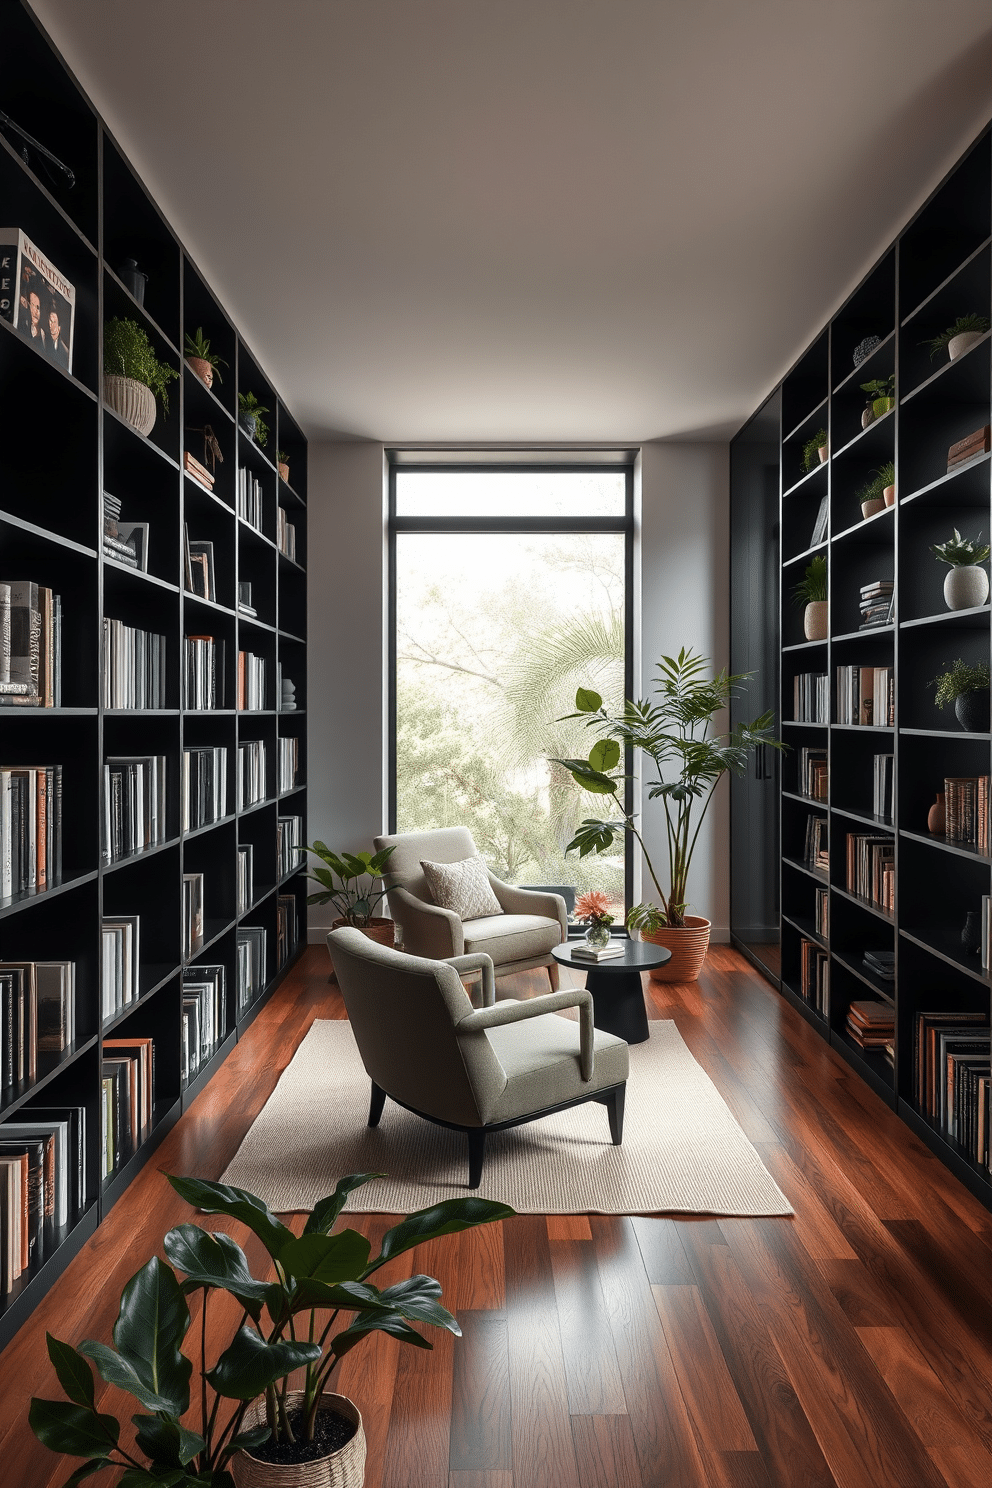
{"points": [[204, 1017], [817, 853], [583, 951], [966, 806], [877, 604], [866, 695], [972, 447], [30, 645], [119, 981], [285, 535], [811, 697], [871, 869], [814, 975], [251, 682], [246, 877], [133, 667], [42, 1184], [286, 928], [30, 828], [821, 913], [199, 472], [288, 764], [814, 775], [203, 672], [881, 964], [884, 767], [251, 773], [134, 805], [192, 913], [251, 951], [204, 786], [289, 841], [953, 1055], [250, 499], [123, 542], [872, 1025], [199, 567], [127, 1079], [37, 1015]]}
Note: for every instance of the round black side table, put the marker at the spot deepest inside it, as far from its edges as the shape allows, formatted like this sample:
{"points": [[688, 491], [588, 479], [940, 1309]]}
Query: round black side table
{"points": [[615, 985]]}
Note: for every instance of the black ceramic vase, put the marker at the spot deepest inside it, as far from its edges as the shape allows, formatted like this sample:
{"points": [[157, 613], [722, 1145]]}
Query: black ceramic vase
{"points": [[971, 935], [971, 709]]}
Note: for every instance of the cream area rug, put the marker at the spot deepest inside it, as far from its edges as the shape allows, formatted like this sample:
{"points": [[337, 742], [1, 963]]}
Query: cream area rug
{"points": [[682, 1151]]}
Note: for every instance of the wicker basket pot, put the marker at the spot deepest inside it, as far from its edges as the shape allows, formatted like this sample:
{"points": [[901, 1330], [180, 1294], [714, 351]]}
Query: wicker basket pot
{"points": [[688, 947], [383, 932], [342, 1469], [132, 400]]}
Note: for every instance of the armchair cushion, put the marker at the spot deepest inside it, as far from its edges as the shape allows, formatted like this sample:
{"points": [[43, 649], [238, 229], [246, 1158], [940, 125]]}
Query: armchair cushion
{"points": [[462, 887], [540, 1058], [511, 937]]}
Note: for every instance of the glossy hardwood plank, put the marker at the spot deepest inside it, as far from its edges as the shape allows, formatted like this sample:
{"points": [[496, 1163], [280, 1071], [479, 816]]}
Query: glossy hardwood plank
{"points": [[591, 1372], [605, 1452], [569, 1227], [713, 1404], [480, 1403], [662, 1252]]}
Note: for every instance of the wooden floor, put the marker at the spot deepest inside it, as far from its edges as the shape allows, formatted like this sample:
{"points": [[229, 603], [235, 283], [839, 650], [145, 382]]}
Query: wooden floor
{"points": [[849, 1346]]}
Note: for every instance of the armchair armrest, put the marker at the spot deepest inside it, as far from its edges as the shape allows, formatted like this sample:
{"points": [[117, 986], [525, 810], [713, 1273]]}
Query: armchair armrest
{"points": [[535, 1007], [428, 930], [478, 961], [531, 901]]}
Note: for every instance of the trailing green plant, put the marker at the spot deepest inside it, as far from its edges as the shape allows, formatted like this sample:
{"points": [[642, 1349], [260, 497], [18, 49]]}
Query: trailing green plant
{"points": [[127, 352], [355, 901], [960, 678], [961, 327], [250, 407], [199, 346], [674, 734], [812, 587], [811, 450], [961, 552]]}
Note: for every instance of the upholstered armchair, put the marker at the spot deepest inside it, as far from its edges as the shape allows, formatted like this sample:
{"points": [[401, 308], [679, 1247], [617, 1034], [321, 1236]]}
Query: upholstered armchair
{"points": [[516, 933], [474, 1070]]}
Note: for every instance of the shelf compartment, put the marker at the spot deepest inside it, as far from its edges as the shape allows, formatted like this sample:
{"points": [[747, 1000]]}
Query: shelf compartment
{"points": [[943, 945], [964, 292], [947, 229], [871, 367]]}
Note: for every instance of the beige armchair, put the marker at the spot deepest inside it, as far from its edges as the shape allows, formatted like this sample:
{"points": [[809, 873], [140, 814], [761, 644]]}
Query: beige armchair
{"points": [[473, 1070], [519, 938]]}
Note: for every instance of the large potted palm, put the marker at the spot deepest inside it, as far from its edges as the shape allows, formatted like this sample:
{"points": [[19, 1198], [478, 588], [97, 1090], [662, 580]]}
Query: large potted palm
{"points": [[675, 735]]}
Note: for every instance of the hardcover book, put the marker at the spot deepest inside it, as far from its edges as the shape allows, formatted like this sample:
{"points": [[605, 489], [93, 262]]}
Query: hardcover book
{"points": [[37, 300]]}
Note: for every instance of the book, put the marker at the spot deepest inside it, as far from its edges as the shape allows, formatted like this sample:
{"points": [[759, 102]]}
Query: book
{"points": [[978, 442], [582, 952], [37, 300], [201, 560], [199, 472], [820, 525], [192, 913]]}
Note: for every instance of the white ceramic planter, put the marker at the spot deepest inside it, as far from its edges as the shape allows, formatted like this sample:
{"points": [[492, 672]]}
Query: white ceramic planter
{"points": [[132, 400], [958, 345], [965, 587], [815, 620]]}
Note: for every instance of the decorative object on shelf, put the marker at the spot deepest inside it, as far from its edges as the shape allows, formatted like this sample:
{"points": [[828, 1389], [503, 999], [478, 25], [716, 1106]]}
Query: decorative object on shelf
{"points": [[958, 338], [133, 279], [204, 362], [971, 932], [864, 349], [871, 499], [250, 418], [815, 449], [43, 311], [971, 447], [881, 398], [213, 455], [282, 465], [672, 732], [937, 816], [887, 476], [355, 900], [967, 687], [811, 591], [133, 376], [592, 909], [966, 585]]}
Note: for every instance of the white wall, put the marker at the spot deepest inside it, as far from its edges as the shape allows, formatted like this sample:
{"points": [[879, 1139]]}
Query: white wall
{"points": [[683, 538]]}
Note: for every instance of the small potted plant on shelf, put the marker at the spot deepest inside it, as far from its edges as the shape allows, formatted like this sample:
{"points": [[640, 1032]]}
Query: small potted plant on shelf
{"points": [[814, 450], [871, 498], [674, 734], [204, 362], [592, 909], [133, 376], [967, 687], [250, 416], [966, 331], [353, 883], [881, 398], [282, 465], [966, 585], [811, 591], [887, 477]]}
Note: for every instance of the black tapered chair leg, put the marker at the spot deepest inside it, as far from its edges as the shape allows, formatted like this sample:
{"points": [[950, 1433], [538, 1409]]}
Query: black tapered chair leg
{"points": [[476, 1154], [614, 1105], [376, 1104]]}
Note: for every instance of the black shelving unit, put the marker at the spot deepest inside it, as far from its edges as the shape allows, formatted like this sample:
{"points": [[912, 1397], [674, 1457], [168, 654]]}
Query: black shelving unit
{"points": [[63, 448], [939, 268]]}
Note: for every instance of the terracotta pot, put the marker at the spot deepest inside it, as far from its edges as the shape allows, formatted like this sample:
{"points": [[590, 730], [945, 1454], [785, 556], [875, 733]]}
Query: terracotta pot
{"points": [[823, 451], [383, 932], [344, 1468], [815, 620], [889, 495], [965, 587], [203, 370], [283, 469], [873, 507], [688, 946], [937, 816], [129, 398], [958, 345]]}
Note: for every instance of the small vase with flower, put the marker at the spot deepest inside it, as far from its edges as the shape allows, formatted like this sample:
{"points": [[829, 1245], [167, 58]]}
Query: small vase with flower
{"points": [[592, 909]]}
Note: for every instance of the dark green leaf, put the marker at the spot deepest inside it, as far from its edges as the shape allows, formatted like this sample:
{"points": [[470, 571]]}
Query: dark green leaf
{"points": [[167, 1442], [250, 1365], [368, 1323], [87, 1469], [327, 1258], [73, 1429], [593, 836], [349, 1296], [588, 701], [605, 754], [417, 1300], [245, 1440], [215, 1261], [236, 1203], [151, 1325], [321, 1218], [117, 1370], [139, 1477], [446, 1218], [74, 1374]]}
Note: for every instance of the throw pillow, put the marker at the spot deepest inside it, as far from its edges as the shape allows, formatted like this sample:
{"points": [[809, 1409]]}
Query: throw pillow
{"points": [[462, 887]]}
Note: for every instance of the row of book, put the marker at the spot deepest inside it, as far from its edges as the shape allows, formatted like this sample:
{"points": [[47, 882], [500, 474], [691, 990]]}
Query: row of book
{"points": [[966, 809], [251, 681], [971, 447], [814, 774], [246, 877], [250, 498], [285, 534], [952, 1071], [821, 912], [811, 697], [198, 567], [251, 773], [37, 1015], [872, 1026], [251, 945], [134, 805], [42, 1185], [871, 868], [880, 964], [287, 928], [203, 672], [119, 982], [288, 763], [192, 913], [123, 542], [197, 470], [204, 1017], [814, 975], [289, 844], [127, 1084], [817, 849], [877, 604], [866, 695], [30, 645], [30, 828], [134, 667], [882, 780], [204, 786]]}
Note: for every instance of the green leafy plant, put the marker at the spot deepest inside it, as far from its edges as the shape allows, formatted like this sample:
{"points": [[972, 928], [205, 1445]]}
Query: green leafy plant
{"points": [[880, 387], [199, 346], [811, 450], [252, 410], [872, 491], [886, 474], [127, 352], [674, 734], [813, 585], [961, 552], [961, 327], [960, 678], [282, 458], [343, 882]]}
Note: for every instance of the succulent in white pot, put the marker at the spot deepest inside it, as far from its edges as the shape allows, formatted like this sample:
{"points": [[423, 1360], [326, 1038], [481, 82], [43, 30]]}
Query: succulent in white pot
{"points": [[967, 584], [966, 331]]}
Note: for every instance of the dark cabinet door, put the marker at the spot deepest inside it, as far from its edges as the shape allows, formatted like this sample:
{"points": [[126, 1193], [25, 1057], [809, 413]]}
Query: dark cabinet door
{"points": [[754, 649]]}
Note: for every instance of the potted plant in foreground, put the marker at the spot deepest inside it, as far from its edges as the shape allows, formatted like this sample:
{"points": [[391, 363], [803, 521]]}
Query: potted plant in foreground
{"points": [[250, 418], [811, 592], [274, 1435], [674, 734], [133, 376], [815, 450], [967, 687], [353, 883], [966, 331], [204, 362], [966, 585]]}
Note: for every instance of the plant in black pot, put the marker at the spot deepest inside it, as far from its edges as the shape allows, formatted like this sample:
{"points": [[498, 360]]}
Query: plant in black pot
{"points": [[967, 687], [250, 417], [133, 376]]}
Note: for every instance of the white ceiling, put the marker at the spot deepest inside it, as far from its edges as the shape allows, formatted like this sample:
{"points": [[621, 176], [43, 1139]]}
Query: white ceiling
{"points": [[505, 220]]}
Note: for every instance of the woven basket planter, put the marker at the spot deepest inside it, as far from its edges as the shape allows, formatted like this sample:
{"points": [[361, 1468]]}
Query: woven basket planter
{"points": [[129, 398], [688, 947], [383, 932], [342, 1469]]}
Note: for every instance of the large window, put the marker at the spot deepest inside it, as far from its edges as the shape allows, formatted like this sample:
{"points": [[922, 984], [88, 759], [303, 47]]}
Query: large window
{"points": [[510, 590]]}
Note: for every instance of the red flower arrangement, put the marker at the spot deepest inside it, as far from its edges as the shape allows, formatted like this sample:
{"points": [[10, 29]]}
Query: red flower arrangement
{"points": [[593, 908]]}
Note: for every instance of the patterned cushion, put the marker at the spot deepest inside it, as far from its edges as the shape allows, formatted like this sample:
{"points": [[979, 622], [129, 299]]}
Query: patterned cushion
{"points": [[462, 887]]}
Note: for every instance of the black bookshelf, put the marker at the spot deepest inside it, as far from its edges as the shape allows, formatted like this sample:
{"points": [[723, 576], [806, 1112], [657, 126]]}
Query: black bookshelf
{"points": [[939, 268], [63, 447]]}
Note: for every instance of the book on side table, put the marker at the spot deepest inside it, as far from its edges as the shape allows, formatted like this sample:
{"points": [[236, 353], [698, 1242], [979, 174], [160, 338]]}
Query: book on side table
{"points": [[584, 952]]}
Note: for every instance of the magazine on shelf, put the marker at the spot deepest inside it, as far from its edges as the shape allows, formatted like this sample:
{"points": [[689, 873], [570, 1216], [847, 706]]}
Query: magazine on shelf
{"points": [[37, 300]]}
